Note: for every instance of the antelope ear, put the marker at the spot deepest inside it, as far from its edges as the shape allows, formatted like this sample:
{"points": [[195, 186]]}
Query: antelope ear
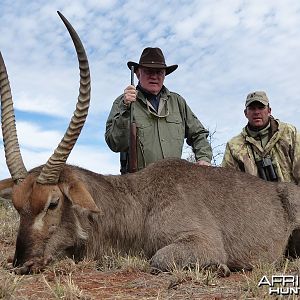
{"points": [[80, 196], [6, 188]]}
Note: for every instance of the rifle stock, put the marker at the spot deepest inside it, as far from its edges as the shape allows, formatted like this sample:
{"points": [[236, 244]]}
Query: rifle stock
{"points": [[123, 162], [132, 149]]}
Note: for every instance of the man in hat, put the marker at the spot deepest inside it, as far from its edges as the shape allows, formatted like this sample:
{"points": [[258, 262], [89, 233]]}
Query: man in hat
{"points": [[163, 118], [266, 147]]}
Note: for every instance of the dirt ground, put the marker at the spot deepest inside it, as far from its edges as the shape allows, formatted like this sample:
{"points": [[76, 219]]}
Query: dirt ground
{"points": [[133, 285], [118, 284]]}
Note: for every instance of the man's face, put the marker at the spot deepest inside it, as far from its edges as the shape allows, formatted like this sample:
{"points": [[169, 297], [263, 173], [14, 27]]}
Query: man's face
{"points": [[258, 114], [151, 79]]}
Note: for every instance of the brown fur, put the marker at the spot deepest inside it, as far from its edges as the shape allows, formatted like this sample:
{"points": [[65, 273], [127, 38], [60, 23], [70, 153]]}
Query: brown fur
{"points": [[173, 211]]}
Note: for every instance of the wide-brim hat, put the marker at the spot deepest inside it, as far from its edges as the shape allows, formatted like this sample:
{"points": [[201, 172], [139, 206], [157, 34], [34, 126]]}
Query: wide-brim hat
{"points": [[152, 58], [258, 96]]}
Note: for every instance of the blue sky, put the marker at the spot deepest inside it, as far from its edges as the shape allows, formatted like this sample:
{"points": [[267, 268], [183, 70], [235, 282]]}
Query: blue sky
{"points": [[224, 49]]}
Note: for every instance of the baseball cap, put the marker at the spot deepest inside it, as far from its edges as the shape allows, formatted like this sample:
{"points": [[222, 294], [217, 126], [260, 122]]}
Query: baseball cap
{"points": [[259, 96]]}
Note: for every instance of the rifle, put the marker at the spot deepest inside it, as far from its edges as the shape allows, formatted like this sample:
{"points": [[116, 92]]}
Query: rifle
{"points": [[123, 162], [128, 160], [132, 135]]}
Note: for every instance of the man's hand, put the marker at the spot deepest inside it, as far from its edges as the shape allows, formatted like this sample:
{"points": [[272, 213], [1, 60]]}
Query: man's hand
{"points": [[130, 95], [203, 163]]}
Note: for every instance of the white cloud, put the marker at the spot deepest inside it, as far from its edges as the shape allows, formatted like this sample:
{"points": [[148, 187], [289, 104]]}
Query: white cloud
{"points": [[95, 159], [32, 136], [224, 49], [92, 158]]}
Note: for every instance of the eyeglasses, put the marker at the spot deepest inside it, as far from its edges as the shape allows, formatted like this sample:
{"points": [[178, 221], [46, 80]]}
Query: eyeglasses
{"points": [[150, 71]]}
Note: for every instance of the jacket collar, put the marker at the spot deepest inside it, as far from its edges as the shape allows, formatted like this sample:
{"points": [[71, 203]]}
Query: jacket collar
{"points": [[273, 127], [275, 134]]}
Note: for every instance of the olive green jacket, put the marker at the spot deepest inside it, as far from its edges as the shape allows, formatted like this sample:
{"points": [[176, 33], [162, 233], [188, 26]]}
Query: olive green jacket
{"points": [[283, 148], [159, 135]]}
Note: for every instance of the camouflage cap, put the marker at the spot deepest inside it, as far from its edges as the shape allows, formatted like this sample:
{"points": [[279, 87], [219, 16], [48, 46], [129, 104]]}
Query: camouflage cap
{"points": [[259, 96]]}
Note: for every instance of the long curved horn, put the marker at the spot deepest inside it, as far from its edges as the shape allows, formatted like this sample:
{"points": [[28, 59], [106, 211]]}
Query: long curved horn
{"points": [[13, 156], [51, 170]]}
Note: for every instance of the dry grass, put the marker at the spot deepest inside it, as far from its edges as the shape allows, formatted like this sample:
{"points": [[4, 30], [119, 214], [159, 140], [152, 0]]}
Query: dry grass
{"points": [[125, 263], [9, 221], [68, 266], [251, 288], [8, 284], [63, 287]]}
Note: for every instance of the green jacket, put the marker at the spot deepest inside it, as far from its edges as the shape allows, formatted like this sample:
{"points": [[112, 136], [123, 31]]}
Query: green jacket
{"points": [[159, 135], [283, 148]]}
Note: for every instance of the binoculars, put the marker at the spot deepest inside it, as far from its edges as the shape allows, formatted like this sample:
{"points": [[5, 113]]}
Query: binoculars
{"points": [[266, 169]]}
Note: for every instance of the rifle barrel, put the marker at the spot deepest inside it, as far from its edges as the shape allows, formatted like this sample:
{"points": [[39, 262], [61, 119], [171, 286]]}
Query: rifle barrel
{"points": [[132, 135]]}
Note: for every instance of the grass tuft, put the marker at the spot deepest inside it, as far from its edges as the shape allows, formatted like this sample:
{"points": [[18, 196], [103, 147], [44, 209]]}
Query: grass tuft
{"points": [[65, 288], [8, 284], [125, 263]]}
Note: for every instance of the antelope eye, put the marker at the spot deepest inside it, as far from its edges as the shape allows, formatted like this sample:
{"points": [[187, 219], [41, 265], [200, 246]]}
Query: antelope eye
{"points": [[53, 205]]}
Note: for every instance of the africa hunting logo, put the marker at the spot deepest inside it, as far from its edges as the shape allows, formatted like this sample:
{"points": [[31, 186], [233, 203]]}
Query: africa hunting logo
{"points": [[281, 284]]}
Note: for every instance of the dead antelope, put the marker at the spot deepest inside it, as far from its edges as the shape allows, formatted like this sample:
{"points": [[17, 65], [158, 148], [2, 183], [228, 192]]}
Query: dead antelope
{"points": [[174, 211]]}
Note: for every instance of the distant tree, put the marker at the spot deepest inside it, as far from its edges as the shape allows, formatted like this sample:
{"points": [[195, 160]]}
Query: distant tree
{"points": [[218, 150]]}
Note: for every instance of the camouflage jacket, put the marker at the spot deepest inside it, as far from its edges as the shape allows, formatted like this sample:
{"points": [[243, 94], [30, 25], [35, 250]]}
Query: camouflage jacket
{"points": [[283, 148], [159, 135]]}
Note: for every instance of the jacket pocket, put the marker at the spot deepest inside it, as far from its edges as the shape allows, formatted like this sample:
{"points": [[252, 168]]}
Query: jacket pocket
{"points": [[143, 128], [175, 126]]}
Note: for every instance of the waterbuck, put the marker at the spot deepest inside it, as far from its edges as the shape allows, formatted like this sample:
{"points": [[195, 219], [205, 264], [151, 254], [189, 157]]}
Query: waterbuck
{"points": [[175, 212]]}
